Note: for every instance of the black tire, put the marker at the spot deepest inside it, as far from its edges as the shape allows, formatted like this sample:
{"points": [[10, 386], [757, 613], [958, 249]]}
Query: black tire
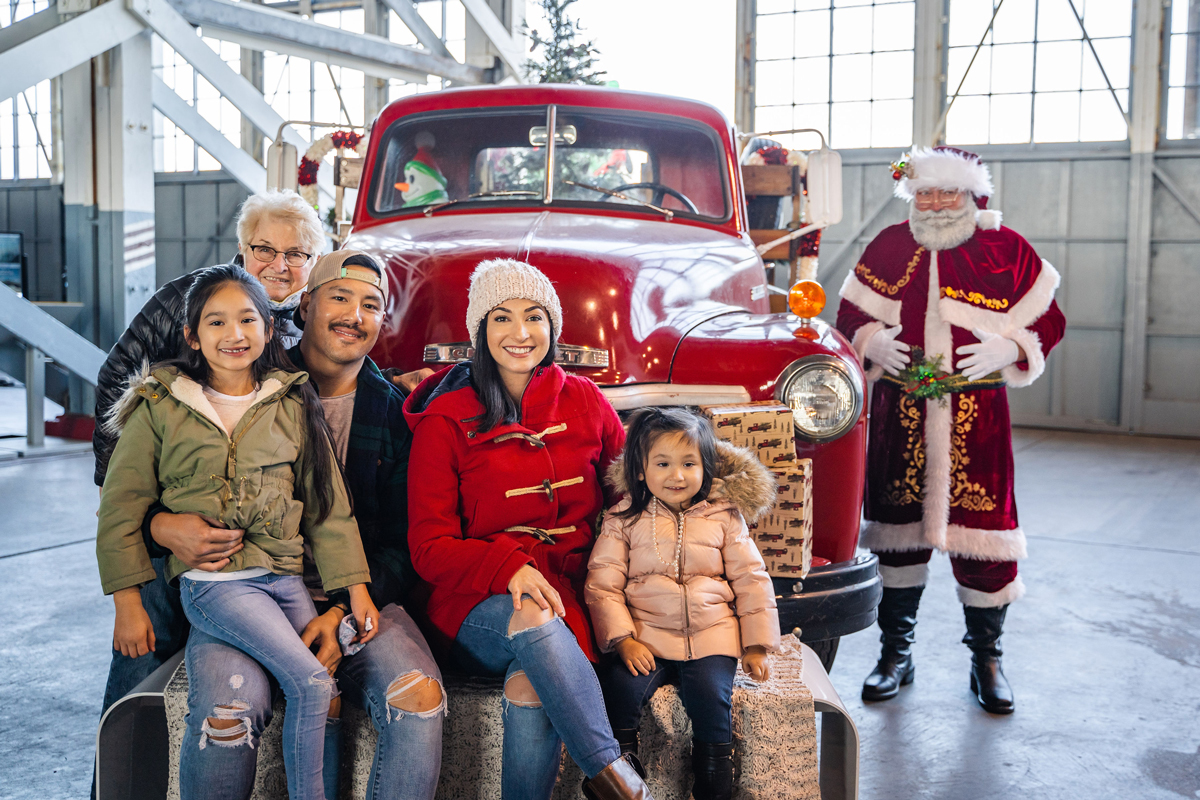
{"points": [[826, 650]]}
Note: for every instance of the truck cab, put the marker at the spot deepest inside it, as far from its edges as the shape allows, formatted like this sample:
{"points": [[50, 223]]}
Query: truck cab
{"points": [[633, 205]]}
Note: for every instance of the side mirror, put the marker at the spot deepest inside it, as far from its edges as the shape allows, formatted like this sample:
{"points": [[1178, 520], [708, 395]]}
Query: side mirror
{"points": [[824, 200], [283, 166]]}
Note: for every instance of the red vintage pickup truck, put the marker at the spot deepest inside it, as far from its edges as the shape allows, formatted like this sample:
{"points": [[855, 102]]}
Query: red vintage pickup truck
{"points": [[633, 205]]}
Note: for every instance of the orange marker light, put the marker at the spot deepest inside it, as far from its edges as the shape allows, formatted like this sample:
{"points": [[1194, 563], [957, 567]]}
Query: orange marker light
{"points": [[806, 299]]}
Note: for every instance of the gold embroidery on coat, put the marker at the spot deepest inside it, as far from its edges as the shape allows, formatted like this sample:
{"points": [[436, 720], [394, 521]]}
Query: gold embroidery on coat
{"points": [[974, 298], [882, 286], [901, 492], [970, 496]]}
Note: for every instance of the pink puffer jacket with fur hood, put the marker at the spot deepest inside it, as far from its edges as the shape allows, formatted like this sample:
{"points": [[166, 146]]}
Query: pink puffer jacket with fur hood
{"points": [[723, 601]]}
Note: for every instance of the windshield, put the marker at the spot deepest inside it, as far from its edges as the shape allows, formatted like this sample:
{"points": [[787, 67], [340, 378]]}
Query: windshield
{"points": [[485, 157]]}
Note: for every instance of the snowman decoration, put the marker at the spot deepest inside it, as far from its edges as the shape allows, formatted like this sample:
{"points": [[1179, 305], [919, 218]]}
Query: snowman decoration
{"points": [[423, 182]]}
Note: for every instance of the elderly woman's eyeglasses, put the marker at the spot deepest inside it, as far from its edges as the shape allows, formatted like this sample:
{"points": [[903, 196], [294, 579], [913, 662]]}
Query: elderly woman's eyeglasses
{"points": [[293, 258]]}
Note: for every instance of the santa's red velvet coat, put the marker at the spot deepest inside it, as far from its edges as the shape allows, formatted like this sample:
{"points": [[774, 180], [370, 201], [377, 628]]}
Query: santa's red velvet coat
{"points": [[940, 475], [469, 492]]}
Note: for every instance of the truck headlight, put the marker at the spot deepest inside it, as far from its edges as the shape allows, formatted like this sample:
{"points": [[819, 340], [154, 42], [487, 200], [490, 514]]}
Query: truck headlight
{"points": [[823, 394]]}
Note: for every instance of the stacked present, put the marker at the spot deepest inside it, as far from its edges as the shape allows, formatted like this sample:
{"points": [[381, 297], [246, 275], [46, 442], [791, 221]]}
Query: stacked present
{"points": [[784, 534]]}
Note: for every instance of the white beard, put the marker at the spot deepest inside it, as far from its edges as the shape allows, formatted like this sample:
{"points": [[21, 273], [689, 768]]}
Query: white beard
{"points": [[943, 230]]}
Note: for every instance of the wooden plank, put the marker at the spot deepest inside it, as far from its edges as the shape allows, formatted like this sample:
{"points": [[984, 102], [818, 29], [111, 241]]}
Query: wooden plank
{"points": [[768, 181], [779, 252]]}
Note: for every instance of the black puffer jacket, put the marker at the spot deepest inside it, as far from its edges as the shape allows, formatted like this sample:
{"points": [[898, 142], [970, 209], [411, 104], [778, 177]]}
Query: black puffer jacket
{"points": [[155, 334]]}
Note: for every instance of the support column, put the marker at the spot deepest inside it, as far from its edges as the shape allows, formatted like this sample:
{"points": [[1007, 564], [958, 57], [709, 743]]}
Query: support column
{"points": [[480, 52], [375, 21], [744, 55], [929, 68], [124, 185], [80, 215], [1143, 138], [252, 70]]}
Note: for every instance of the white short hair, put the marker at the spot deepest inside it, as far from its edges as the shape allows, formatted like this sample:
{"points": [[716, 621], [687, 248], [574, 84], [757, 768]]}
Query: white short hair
{"points": [[285, 206]]}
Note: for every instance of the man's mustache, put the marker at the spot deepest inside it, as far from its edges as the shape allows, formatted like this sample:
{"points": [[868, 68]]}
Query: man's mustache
{"points": [[943, 218], [354, 326]]}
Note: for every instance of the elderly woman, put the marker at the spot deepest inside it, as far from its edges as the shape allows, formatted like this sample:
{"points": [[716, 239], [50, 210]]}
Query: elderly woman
{"points": [[504, 489]]}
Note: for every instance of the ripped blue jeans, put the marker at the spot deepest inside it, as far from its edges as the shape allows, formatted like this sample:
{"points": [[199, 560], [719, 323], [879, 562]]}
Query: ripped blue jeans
{"points": [[225, 682], [570, 706], [263, 617]]}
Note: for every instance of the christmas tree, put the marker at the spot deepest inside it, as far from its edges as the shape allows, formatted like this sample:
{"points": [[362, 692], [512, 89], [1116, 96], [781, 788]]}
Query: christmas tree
{"points": [[564, 59]]}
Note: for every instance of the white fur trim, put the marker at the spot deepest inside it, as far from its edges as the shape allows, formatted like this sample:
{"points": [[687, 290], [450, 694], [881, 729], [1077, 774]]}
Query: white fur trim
{"points": [[191, 394], [977, 599], [859, 343], [118, 414], [985, 545], [870, 301], [937, 421], [1002, 323], [903, 577], [988, 219], [943, 169], [1035, 361], [884, 537]]}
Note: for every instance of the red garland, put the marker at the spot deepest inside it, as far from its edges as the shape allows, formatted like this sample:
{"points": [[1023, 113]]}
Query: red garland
{"points": [[347, 140], [774, 155], [308, 171], [810, 244]]}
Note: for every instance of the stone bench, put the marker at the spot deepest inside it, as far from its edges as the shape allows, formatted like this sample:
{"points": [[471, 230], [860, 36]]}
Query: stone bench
{"points": [[773, 723]]}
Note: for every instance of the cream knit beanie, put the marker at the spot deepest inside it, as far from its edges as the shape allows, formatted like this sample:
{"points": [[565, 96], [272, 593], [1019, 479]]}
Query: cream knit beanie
{"points": [[502, 279]]}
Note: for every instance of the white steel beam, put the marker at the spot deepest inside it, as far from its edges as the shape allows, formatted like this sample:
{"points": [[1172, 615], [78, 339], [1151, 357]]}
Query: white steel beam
{"points": [[929, 93], [407, 11], [31, 26], [512, 54], [267, 29], [236, 161], [53, 50], [178, 33]]}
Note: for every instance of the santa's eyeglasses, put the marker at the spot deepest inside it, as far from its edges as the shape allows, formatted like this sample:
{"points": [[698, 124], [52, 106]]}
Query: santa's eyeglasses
{"points": [[293, 258]]}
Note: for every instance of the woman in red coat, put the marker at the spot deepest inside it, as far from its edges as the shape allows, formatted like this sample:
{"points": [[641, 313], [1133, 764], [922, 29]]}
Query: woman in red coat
{"points": [[504, 490]]}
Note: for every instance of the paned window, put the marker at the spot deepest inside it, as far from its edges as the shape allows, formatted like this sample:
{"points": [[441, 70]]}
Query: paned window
{"points": [[1182, 61], [25, 118], [844, 67], [1035, 78]]}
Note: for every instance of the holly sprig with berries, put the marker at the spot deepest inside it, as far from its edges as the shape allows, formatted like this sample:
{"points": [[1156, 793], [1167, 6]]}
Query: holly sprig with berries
{"points": [[925, 378]]}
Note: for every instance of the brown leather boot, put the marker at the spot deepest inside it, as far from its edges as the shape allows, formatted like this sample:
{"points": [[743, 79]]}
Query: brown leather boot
{"points": [[620, 780]]}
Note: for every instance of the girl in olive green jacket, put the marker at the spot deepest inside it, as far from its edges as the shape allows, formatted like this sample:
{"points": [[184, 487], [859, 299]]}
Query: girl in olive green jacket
{"points": [[232, 432]]}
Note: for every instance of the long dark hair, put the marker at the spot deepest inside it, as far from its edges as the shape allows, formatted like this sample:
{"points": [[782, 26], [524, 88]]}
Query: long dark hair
{"points": [[498, 406], [317, 456], [645, 426]]}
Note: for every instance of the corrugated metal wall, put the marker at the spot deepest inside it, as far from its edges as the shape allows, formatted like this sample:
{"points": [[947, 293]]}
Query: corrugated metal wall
{"points": [[35, 208], [1073, 208], [194, 217]]}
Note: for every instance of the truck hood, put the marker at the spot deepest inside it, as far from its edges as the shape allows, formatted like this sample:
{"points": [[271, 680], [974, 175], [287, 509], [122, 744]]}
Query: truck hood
{"points": [[631, 287]]}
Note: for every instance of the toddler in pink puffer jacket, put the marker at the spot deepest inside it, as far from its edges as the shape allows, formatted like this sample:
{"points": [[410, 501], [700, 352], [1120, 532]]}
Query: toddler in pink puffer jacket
{"points": [[676, 588]]}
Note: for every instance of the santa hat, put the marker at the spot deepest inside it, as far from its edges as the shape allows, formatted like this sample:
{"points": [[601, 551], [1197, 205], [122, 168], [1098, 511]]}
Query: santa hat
{"points": [[947, 168]]}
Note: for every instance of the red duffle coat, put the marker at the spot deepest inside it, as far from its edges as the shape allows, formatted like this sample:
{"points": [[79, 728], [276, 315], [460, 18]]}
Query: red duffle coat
{"points": [[940, 474], [470, 494]]}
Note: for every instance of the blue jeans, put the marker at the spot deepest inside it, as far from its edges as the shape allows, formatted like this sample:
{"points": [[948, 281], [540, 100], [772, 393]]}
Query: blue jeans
{"points": [[161, 601], [222, 678], [705, 686], [572, 705], [263, 617]]}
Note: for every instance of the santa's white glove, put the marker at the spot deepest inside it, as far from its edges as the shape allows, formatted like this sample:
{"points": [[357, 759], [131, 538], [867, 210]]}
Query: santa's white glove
{"points": [[884, 350], [993, 353]]}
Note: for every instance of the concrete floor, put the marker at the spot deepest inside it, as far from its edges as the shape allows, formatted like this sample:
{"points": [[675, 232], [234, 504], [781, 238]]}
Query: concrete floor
{"points": [[1104, 652]]}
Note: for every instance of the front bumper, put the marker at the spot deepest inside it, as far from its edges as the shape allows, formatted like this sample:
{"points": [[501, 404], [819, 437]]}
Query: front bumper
{"points": [[831, 601]]}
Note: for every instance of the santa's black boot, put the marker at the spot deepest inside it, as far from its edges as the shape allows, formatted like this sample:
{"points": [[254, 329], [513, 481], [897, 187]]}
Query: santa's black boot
{"points": [[897, 618], [627, 739], [984, 626], [712, 766]]}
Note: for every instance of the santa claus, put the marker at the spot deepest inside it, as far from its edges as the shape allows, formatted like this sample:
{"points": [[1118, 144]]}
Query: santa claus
{"points": [[946, 310]]}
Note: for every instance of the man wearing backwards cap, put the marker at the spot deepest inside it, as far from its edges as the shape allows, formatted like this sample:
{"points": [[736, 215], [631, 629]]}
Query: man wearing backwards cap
{"points": [[946, 310], [394, 676]]}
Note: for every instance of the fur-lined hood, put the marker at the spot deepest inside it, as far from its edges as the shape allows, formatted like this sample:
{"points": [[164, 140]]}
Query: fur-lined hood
{"points": [[152, 385], [741, 480]]}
